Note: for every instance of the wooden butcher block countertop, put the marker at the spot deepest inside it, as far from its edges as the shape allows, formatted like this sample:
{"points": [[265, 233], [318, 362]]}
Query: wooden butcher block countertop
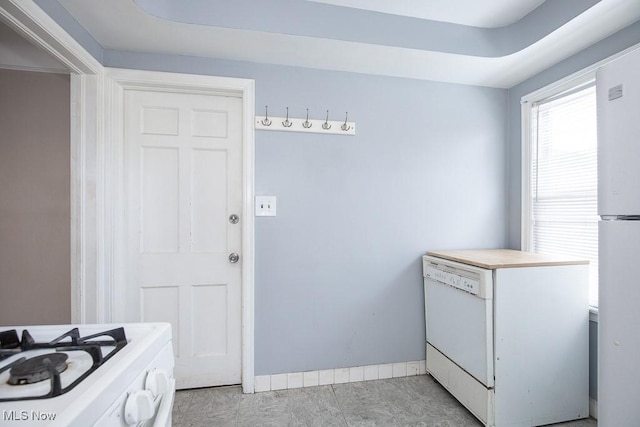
{"points": [[505, 258]]}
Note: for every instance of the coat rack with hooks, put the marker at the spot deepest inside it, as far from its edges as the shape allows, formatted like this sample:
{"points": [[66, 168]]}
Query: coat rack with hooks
{"points": [[288, 124]]}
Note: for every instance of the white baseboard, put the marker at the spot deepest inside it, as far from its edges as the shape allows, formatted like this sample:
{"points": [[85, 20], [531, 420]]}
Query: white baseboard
{"points": [[593, 408], [339, 375]]}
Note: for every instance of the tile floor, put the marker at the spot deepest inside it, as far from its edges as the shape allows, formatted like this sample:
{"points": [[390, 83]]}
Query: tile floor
{"points": [[410, 401]]}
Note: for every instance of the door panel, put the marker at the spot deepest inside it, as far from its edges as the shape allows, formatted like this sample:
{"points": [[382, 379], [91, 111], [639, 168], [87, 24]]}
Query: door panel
{"points": [[162, 304], [459, 325], [184, 178], [619, 323], [618, 130], [209, 225], [209, 310], [159, 204]]}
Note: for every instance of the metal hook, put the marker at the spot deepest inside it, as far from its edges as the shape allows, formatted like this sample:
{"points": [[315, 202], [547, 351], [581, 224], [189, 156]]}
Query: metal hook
{"points": [[306, 123], [326, 125], [287, 123], [266, 121], [344, 127]]}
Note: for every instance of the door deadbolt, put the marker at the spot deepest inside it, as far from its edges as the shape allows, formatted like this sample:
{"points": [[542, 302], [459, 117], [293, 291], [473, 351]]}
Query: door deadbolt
{"points": [[233, 218], [233, 258]]}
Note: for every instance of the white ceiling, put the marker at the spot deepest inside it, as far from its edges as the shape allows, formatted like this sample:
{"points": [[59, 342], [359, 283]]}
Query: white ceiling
{"points": [[122, 25], [484, 13]]}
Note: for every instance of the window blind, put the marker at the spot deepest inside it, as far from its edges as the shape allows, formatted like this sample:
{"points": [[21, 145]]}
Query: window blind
{"points": [[564, 181]]}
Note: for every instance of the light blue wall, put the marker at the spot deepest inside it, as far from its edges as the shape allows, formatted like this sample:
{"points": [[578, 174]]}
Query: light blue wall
{"points": [[338, 271], [593, 360]]}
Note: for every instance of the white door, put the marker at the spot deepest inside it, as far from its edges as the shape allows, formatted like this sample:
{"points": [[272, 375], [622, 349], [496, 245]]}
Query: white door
{"points": [[618, 323], [618, 98], [183, 180]]}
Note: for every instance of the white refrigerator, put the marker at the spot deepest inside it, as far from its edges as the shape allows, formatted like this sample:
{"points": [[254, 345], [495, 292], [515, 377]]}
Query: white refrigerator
{"points": [[618, 98]]}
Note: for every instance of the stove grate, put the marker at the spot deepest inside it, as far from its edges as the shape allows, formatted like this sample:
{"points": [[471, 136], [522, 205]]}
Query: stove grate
{"points": [[69, 341]]}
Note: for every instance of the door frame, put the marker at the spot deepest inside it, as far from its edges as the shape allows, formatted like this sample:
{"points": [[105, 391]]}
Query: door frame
{"points": [[86, 76], [94, 164], [117, 81]]}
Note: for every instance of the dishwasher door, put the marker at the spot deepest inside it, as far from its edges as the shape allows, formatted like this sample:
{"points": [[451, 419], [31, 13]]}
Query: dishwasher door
{"points": [[459, 315]]}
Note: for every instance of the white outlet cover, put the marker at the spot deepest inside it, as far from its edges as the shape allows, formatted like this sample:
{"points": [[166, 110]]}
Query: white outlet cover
{"points": [[265, 205]]}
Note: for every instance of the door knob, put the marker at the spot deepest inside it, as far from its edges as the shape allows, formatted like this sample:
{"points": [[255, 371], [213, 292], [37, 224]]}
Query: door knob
{"points": [[233, 258], [233, 218]]}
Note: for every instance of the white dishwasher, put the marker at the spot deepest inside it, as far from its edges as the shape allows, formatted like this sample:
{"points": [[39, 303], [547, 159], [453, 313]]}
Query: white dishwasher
{"points": [[507, 334]]}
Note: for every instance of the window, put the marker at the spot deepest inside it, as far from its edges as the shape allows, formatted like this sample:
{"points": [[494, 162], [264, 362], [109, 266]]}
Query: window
{"points": [[560, 209]]}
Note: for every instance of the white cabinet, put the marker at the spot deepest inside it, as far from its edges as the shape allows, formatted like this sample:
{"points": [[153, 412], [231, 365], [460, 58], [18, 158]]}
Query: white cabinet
{"points": [[537, 340]]}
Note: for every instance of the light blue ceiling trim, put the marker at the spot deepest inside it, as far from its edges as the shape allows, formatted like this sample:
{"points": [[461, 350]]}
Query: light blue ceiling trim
{"points": [[311, 19], [543, 20], [59, 14]]}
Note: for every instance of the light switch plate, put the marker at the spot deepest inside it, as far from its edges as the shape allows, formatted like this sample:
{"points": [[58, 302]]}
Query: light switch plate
{"points": [[265, 205]]}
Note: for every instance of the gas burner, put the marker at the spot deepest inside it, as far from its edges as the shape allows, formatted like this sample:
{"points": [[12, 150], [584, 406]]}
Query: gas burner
{"points": [[37, 368], [42, 361]]}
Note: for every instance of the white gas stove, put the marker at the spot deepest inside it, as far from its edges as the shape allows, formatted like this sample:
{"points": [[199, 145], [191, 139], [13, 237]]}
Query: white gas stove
{"points": [[86, 375]]}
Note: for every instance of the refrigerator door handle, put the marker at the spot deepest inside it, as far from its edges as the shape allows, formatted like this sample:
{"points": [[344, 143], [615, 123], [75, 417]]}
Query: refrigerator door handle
{"points": [[620, 217]]}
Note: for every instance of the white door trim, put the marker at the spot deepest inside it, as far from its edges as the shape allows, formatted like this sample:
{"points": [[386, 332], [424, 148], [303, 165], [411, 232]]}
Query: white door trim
{"points": [[87, 284], [117, 81]]}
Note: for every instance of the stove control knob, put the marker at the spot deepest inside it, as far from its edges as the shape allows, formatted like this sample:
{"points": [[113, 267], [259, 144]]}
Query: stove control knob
{"points": [[157, 382], [139, 407]]}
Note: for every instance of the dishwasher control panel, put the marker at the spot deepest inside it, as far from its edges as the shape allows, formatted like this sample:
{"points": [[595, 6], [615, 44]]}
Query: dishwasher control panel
{"points": [[469, 278], [452, 279]]}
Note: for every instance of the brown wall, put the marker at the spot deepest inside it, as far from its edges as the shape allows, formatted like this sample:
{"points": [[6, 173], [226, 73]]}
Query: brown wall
{"points": [[34, 198]]}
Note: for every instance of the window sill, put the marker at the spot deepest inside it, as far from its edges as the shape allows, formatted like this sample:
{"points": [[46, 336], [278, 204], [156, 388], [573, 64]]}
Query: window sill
{"points": [[593, 314]]}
